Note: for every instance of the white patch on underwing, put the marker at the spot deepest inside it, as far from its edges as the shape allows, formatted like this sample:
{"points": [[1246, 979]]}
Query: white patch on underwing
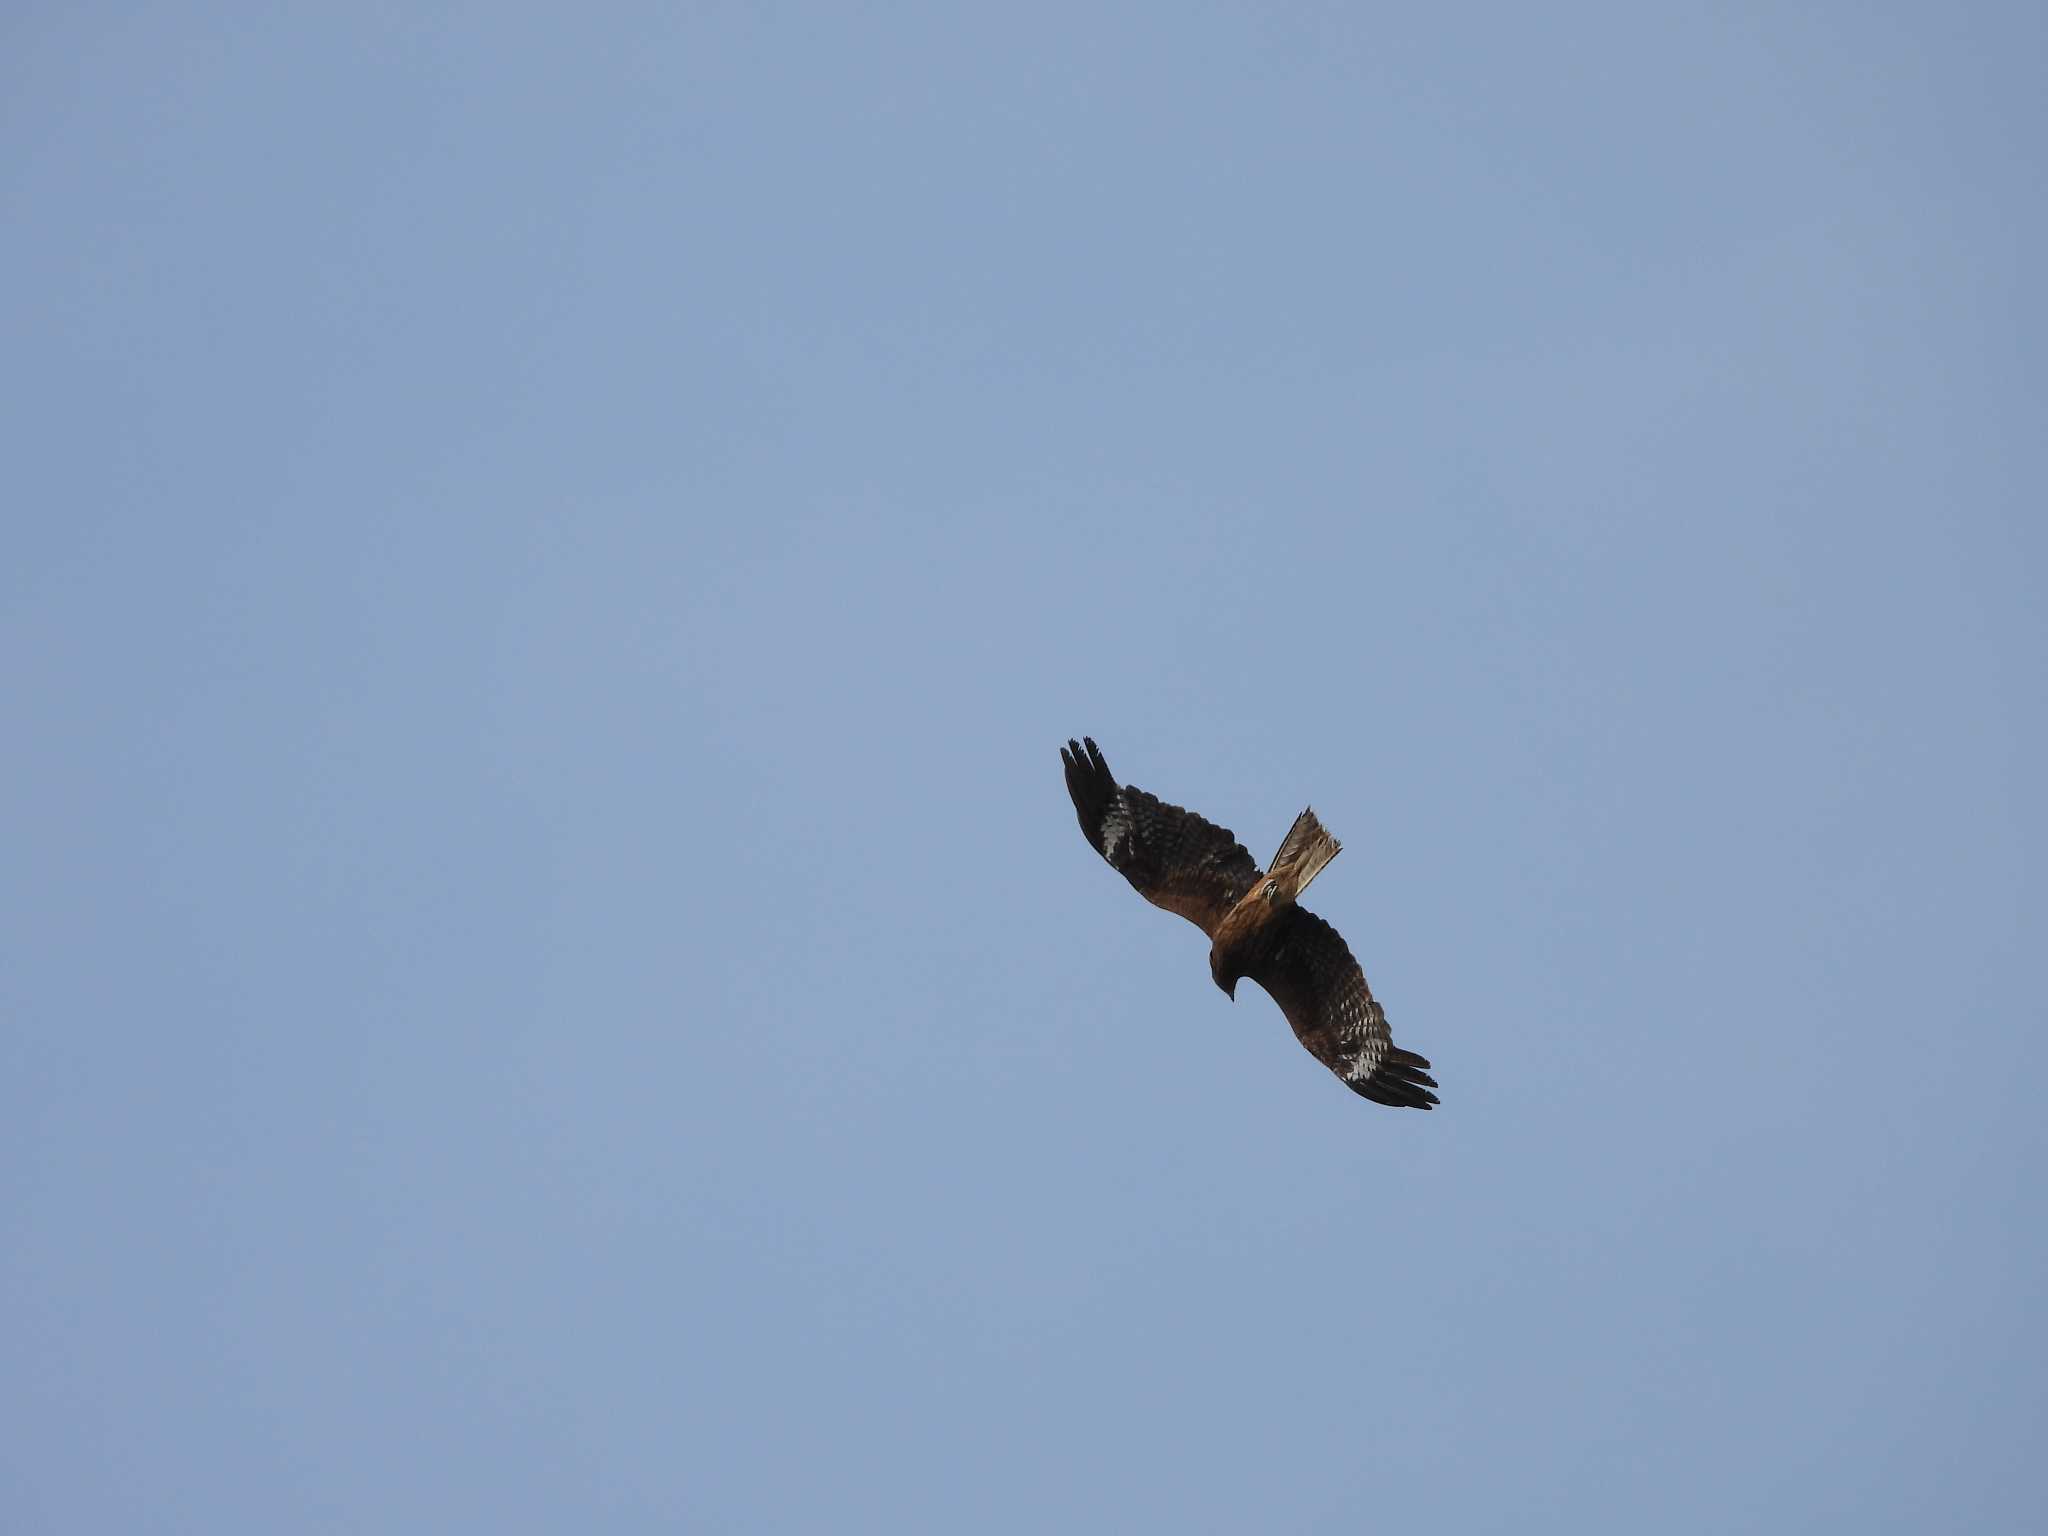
{"points": [[1116, 832]]}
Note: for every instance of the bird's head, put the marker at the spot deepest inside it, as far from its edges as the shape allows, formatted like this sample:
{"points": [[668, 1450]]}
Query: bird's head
{"points": [[1223, 975]]}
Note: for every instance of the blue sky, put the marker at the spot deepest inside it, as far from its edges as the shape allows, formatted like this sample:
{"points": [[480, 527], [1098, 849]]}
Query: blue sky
{"points": [[552, 982]]}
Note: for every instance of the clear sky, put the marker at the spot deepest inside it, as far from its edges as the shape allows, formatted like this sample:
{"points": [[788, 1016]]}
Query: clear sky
{"points": [[550, 981]]}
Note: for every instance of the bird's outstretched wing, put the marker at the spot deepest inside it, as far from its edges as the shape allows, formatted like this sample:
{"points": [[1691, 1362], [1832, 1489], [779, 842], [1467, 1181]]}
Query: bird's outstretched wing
{"points": [[1321, 989], [1173, 858]]}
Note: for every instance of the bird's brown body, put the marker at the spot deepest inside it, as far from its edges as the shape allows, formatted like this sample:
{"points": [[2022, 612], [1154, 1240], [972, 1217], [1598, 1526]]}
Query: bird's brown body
{"points": [[1244, 941], [1256, 925], [1252, 932]]}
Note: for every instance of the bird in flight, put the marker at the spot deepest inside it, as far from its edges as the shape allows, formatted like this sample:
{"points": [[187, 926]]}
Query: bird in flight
{"points": [[1176, 860]]}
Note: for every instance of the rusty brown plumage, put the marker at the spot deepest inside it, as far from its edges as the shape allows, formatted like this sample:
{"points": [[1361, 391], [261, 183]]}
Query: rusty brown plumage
{"points": [[1177, 860]]}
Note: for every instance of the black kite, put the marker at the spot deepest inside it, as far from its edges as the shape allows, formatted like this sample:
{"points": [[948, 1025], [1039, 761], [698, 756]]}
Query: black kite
{"points": [[1178, 861]]}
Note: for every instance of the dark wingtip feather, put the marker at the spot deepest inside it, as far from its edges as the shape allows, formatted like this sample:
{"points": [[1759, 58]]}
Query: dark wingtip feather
{"points": [[1398, 1095], [1409, 1067], [1089, 786], [1402, 1082]]}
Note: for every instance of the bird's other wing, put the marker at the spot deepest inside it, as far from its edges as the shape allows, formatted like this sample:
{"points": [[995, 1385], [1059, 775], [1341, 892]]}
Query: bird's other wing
{"points": [[1321, 989], [1172, 857]]}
